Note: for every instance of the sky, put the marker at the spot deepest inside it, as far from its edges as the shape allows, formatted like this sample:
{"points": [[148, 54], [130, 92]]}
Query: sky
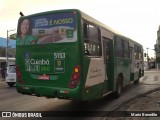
{"points": [[136, 19]]}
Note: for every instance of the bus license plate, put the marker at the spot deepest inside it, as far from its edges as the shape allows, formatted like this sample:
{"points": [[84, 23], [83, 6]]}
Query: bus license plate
{"points": [[44, 77], [11, 79]]}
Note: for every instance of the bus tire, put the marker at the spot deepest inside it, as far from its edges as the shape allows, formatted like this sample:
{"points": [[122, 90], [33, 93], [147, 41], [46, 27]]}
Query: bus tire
{"points": [[10, 84], [136, 81], [119, 87]]}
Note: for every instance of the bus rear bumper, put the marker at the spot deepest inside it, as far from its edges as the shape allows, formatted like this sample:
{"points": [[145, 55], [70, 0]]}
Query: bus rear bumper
{"points": [[50, 92]]}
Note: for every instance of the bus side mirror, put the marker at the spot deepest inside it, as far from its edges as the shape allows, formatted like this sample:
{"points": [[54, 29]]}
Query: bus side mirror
{"points": [[145, 55]]}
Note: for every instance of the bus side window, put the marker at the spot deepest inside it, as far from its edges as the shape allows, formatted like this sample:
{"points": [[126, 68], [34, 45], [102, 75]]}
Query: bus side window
{"points": [[126, 49], [105, 50], [131, 52], [118, 46], [86, 48], [85, 37], [138, 52], [92, 41], [135, 52], [85, 31]]}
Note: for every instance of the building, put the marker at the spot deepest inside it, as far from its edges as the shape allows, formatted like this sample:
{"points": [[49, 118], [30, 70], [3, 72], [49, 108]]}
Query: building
{"points": [[3, 49], [157, 46], [157, 49]]}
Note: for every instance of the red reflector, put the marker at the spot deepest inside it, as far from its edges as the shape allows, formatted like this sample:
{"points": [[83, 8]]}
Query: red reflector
{"points": [[23, 88], [19, 76], [66, 92]]}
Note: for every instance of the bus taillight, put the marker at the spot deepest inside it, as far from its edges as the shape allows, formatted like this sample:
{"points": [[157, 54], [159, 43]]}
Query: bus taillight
{"points": [[19, 75], [74, 77]]}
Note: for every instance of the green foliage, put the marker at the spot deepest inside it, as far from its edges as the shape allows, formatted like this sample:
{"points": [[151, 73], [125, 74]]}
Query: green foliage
{"points": [[13, 36], [158, 59]]}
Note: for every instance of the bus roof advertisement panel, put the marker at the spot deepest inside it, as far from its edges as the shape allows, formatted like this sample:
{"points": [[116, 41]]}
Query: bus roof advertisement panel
{"points": [[50, 28], [54, 20]]}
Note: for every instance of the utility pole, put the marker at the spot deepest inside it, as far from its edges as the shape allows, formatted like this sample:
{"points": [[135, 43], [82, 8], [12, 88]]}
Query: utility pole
{"points": [[7, 47], [147, 58], [7, 50]]}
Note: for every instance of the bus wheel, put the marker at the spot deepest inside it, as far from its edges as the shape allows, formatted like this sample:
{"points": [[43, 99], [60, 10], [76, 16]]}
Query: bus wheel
{"points": [[136, 81], [10, 84], [119, 87]]}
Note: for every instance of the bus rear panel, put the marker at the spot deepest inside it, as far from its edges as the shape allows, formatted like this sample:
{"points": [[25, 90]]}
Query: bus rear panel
{"points": [[48, 61]]}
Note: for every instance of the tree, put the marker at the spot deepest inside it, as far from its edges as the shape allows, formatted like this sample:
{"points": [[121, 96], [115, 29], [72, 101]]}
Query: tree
{"points": [[13, 36]]}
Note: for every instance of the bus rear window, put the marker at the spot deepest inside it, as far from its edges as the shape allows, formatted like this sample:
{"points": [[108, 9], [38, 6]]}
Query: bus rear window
{"points": [[45, 29]]}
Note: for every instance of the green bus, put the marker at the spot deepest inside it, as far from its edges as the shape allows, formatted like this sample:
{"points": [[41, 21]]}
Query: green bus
{"points": [[67, 54]]}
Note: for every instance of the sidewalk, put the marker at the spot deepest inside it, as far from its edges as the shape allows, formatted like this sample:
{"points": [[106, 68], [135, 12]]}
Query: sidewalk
{"points": [[154, 69], [149, 102], [2, 79], [2, 82]]}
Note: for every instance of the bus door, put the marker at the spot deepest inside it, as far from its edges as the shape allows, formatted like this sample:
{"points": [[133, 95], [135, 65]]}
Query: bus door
{"points": [[132, 61], [106, 53]]}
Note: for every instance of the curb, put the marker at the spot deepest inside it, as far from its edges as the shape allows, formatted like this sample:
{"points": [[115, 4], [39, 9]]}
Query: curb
{"points": [[149, 92]]}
